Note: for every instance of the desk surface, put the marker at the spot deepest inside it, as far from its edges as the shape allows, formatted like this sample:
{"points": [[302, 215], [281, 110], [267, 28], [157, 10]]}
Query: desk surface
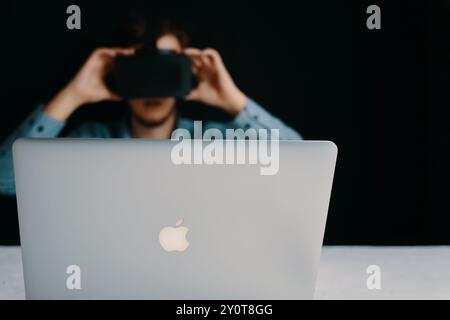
{"points": [[406, 273]]}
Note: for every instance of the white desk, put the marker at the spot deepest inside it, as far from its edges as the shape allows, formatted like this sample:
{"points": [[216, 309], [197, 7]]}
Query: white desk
{"points": [[406, 273]]}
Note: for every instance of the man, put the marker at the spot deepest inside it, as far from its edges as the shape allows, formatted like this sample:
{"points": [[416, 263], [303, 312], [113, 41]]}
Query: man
{"points": [[149, 118]]}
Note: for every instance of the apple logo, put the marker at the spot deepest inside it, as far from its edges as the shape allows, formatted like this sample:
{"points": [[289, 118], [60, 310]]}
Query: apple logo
{"points": [[174, 238]]}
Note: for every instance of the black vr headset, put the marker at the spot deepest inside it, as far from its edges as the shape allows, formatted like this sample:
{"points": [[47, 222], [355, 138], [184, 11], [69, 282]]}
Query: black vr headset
{"points": [[153, 73]]}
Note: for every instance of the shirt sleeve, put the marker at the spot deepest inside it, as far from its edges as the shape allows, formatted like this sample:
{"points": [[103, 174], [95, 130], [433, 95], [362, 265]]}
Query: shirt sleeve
{"points": [[37, 125], [256, 117]]}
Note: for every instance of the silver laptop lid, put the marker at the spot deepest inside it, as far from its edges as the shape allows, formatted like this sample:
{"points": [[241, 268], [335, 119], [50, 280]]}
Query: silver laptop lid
{"points": [[120, 219]]}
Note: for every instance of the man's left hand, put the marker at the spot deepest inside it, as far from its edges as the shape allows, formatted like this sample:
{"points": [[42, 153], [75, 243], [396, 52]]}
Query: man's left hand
{"points": [[215, 85]]}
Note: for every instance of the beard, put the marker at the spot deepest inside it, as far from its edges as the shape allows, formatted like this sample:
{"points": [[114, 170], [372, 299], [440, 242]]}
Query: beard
{"points": [[152, 123]]}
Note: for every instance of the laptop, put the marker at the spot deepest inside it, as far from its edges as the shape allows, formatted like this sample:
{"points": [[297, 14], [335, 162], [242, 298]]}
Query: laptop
{"points": [[130, 219]]}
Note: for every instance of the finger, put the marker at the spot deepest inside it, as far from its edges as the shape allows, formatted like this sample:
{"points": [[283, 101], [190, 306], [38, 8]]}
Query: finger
{"points": [[192, 51], [113, 52], [213, 54], [196, 56], [113, 96], [107, 57], [200, 72], [197, 62], [193, 95], [206, 60], [195, 70], [121, 51]]}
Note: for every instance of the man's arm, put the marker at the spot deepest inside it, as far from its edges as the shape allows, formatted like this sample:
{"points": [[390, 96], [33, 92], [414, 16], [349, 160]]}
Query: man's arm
{"points": [[37, 125], [256, 117], [217, 89], [88, 86]]}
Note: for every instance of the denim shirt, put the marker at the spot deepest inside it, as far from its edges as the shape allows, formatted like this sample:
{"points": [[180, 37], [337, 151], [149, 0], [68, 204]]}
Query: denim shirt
{"points": [[40, 125]]}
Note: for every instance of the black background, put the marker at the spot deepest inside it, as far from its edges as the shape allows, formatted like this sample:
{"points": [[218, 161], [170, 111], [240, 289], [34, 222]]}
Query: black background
{"points": [[380, 95]]}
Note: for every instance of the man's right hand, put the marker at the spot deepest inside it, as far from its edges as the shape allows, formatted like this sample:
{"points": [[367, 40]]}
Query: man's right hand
{"points": [[88, 85]]}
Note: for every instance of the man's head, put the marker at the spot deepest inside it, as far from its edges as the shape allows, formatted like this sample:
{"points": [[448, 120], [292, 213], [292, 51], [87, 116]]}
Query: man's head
{"points": [[165, 35]]}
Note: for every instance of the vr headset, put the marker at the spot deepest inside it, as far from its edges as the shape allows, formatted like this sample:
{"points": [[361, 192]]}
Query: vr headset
{"points": [[153, 74]]}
